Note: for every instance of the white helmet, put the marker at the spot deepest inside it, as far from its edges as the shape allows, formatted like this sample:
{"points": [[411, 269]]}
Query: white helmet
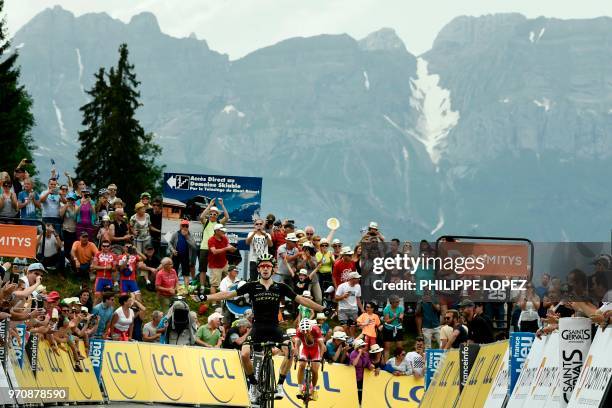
{"points": [[305, 325]]}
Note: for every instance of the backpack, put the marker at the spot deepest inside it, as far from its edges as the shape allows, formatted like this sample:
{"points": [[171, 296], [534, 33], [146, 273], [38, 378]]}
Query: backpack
{"points": [[179, 324]]}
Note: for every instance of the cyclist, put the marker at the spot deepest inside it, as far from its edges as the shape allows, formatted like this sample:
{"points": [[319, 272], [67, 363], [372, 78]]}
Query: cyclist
{"points": [[311, 339], [266, 296]]}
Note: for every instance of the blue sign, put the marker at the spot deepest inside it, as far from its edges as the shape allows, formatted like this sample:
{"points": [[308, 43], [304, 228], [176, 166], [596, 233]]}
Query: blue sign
{"points": [[432, 358], [19, 347], [520, 344], [96, 353], [187, 195]]}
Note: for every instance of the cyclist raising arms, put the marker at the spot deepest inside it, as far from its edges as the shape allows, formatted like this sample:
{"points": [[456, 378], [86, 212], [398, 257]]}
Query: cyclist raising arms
{"points": [[309, 335], [265, 295]]}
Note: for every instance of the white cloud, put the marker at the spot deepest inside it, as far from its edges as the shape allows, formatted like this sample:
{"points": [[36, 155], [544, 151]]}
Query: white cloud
{"points": [[238, 27]]}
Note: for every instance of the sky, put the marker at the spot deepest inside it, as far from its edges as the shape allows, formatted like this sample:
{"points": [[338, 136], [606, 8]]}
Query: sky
{"points": [[237, 27]]}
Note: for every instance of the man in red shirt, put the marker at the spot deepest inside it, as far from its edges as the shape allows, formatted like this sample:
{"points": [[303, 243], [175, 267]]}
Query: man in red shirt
{"points": [[104, 264], [343, 266], [218, 247], [313, 346]]}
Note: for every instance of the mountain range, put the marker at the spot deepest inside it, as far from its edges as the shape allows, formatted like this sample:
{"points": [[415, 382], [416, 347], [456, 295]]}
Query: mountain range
{"points": [[501, 129]]}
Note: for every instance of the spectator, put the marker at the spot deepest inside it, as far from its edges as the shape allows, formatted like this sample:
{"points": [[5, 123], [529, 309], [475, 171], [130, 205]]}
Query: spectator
{"points": [[145, 199], [278, 236], [29, 202], [149, 265], [80, 188], [415, 360], [542, 290], [429, 310], [326, 260], [104, 231], [86, 214], [122, 323], [302, 280], [140, 224], [373, 233], [343, 267], [599, 287], [397, 365], [119, 230], [393, 316], [9, 205], [82, 253], [85, 299], [19, 175], [304, 312], [102, 207], [529, 320], [166, 282], [139, 314], [287, 259], [259, 242], [225, 286], [182, 245], [376, 353], [112, 194], [459, 334], [337, 348], [68, 214], [348, 296], [150, 332], [155, 214], [209, 335], [31, 281], [369, 322], [218, 246], [51, 254], [360, 359], [104, 312], [337, 249], [104, 265], [209, 219], [307, 260], [238, 334], [325, 327]]}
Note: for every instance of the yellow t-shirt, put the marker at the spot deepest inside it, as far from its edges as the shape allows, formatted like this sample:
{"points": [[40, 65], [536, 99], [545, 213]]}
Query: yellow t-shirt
{"points": [[328, 262], [208, 232]]}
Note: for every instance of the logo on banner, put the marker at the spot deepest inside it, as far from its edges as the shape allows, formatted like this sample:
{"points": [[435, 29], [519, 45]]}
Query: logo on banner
{"points": [[467, 356], [433, 357], [520, 345], [19, 344], [573, 346], [96, 355], [18, 240], [32, 351], [3, 343]]}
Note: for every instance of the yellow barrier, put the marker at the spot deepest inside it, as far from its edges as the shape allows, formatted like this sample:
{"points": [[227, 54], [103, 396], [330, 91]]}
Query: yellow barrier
{"points": [[173, 374], [444, 388], [336, 387], [398, 391], [487, 364], [20, 379]]}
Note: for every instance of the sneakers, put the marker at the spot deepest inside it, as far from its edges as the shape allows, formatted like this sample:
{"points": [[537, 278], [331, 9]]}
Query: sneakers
{"points": [[253, 394], [280, 392]]}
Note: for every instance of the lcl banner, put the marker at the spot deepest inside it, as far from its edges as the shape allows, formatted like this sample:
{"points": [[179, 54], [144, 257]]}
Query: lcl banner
{"points": [[507, 259], [574, 343], [18, 241]]}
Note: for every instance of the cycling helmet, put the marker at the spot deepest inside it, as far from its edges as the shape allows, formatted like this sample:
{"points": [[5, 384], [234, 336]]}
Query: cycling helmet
{"points": [[266, 258], [102, 191], [305, 325]]}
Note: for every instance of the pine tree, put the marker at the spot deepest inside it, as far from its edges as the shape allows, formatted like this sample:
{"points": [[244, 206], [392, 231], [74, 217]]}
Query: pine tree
{"points": [[114, 146], [16, 119]]}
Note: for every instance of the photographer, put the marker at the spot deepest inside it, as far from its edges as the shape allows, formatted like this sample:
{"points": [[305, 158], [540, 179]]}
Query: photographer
{"points": [[259, 242], [52, 254], [337, 348], [373, 234]]}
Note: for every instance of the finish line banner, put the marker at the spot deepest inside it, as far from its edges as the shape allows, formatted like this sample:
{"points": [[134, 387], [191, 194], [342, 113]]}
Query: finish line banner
{"points": [[187, 195]]}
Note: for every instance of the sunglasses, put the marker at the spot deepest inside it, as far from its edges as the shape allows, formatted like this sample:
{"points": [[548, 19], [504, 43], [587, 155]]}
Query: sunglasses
{"points": [[105, 246], [324, 245], [310, 234], [336, 245], [266, 265]]}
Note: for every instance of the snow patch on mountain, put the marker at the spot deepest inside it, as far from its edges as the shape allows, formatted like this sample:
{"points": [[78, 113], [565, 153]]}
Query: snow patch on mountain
{"points": [[231, 108], [545, 103], [366, 80], [436, 117], [60, 121], [405, 152], [440, 222], [80, 62], [532, 37], [17, 47], [541, 33]]}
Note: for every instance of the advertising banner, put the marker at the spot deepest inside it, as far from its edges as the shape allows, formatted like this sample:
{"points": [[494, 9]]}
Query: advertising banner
{"points": [[594, 382], [499, 391], [432, 359], [187, 195], [444, 388], [574, 343], [18, 343], [404, 391], [532, 365], [18, 241], [96, 355], [520, 344], [507, 259], [488, 362], [545, 381], [467, 356], [32, 353], [4, 329]]}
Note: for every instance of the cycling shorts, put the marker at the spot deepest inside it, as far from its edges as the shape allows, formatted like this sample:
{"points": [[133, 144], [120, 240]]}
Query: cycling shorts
{"points": [[267, 332], [310, 353], [129, 286], [101, 283]]}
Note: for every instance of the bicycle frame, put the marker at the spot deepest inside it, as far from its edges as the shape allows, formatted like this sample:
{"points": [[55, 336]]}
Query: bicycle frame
{"points": [[266, 381], [306, 397]]}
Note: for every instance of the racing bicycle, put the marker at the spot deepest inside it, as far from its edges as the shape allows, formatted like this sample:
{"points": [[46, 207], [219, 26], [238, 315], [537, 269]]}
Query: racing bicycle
{"points": [[306, 396], [266, 381]]}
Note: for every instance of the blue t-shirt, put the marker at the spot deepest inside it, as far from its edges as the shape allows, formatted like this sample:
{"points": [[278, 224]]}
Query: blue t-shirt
{"points": [[431, 318], [29, 211], [105, 314], [51, 206], [181, 245]]}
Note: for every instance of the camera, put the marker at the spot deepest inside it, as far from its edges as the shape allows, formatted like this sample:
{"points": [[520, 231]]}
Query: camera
{"points": [[372, 233]]}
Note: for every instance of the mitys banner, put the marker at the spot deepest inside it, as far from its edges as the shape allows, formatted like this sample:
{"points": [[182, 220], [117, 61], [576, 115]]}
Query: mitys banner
{"points": [[389, 391], [574, 343], [432, 359], [187, 195], [520, 344]]}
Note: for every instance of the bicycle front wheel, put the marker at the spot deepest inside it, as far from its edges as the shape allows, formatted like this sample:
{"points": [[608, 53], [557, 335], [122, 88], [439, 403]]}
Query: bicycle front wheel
{"points": [[307, 382], [269, 384]]}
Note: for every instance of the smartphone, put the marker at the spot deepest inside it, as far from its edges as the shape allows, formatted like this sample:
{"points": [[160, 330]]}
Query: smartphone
{"points": [[14, 278]]}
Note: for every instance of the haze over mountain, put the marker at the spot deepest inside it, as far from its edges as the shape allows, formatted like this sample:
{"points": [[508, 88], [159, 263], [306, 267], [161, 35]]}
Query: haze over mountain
{"points": [[502, 128]]}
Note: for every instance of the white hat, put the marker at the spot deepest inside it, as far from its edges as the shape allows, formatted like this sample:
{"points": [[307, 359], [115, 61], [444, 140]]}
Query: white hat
{"points": [[307, 294], [308, 244], [303, 272], [291, 237], [358, 343], [37, 266], [323, 241], [330, 289], [373, 225], [84, 309], [339, 335], [336, 241], [347, 250], [215, 316], [321, 316], [298, 232], [354, 275], [220, 227], [375, 349], [213, 208]]}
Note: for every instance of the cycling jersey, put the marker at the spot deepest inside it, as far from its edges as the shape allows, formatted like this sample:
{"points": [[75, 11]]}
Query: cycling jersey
{"points": [[105, 259], [266, 302], [310, 351], [128, 267]]}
